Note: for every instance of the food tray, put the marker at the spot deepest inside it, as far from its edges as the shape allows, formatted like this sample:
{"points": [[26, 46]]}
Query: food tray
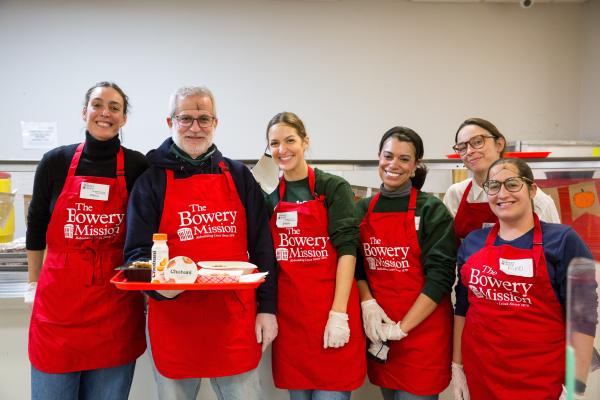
{"points": [[120, 282], [515, 154]]}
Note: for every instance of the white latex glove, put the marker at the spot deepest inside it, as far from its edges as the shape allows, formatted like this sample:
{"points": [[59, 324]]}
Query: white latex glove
{"points": [[459, 382], [337, 331], [393, 331], [29, 295], [378, 351], [169, 293], [563, 395], [373, 318], [266, 329]]}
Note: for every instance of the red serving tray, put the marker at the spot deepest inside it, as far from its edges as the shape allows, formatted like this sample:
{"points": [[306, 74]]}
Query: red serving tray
{"points": [[121, 283], [515, 154]]}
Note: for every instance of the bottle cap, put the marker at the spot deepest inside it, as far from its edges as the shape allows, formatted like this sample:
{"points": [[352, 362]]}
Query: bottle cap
{"points": [[159, 236]]}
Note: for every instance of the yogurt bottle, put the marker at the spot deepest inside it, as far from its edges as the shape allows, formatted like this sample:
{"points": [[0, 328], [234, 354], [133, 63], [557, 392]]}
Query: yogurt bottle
{"points": [[160, 257]]}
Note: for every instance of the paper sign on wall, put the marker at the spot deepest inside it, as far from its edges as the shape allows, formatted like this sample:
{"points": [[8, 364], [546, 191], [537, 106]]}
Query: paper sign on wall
{"points": [[39, 135], [584, 199]]}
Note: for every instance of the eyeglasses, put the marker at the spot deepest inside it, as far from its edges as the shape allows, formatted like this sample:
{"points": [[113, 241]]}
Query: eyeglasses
{"points": [[513, 184], [204, 121], [476, 142]]}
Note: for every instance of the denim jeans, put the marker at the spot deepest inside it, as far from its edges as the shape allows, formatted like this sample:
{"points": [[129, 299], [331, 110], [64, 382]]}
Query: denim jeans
{"points": [[97, 384], [319, 395], [244, 386], [391, 394]]}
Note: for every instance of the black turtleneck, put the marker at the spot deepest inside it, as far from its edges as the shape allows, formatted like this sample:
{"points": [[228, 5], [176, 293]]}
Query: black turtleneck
{"points": [[99, 158]]}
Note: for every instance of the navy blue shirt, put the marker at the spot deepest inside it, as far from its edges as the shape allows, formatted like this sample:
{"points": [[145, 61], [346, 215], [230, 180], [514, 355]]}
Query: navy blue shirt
{"points": [[146, 207], [561, 245]]}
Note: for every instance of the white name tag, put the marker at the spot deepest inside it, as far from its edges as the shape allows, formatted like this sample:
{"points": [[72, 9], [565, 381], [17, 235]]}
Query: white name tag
{"points": [[417, 223], [94, 191], [487, 225], [287, 219], [521, 267]]}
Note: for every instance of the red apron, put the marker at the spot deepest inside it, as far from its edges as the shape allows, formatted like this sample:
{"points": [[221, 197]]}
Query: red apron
{"points": [[472, 216], [80, 321], [513, 343], [204, 333], [419, 363], [306, 286]]}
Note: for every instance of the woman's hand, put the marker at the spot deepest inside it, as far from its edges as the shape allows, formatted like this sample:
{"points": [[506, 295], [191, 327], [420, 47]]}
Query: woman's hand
{"points": [[337, 331], [393, 331], [29, 295], [373, 319], [459, 383]]}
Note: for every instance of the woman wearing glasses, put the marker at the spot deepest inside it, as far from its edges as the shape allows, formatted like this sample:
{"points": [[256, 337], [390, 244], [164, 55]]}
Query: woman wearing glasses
{"points": [[85, 334], [479, 144], [319, 353], [405, 275], [510, 298]]}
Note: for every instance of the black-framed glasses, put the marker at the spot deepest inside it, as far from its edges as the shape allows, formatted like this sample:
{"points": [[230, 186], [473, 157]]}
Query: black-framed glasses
{"points": [[476, 142], [204, 121], [514, 184]]}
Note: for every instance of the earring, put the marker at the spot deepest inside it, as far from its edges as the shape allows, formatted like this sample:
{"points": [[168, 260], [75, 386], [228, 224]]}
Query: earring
{"points": [[412, 174]]}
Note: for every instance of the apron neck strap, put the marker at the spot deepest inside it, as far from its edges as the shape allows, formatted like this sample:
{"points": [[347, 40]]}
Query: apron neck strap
{"points": [[120, 170], [373, 202], [225, 171], [75, 160], [412, 202], [120, 162], [311, 184], [466, 193], [537, 235]]}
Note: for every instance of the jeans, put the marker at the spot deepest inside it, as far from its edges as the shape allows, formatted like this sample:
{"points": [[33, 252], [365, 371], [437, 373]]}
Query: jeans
{"points": [[243, 386], [318, 395], [391, 394], [97, 384]]}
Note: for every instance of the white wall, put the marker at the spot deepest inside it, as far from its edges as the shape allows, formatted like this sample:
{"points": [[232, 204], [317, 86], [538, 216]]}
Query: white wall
{"points": [[351, 69], [590, 79]]}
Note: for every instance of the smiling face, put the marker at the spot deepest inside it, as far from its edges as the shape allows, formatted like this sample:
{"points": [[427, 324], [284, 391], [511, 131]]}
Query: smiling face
{"points": [[194, 140], [397, 162], [104, 113], [287, 148], [479, 160], [510, 206]]}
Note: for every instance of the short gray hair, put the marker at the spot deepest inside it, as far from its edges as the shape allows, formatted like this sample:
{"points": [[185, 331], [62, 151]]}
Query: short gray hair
{"points": [[187, 91]]}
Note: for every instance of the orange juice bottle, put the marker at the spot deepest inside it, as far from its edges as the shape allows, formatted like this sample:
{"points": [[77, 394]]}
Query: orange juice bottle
{"points": [[160, 257]]}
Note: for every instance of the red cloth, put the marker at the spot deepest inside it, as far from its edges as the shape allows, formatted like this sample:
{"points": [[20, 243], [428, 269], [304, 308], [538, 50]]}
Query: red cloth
{"points": [[419, 363], [204, 333], [306, 286], [513, 342], [80, 321]]}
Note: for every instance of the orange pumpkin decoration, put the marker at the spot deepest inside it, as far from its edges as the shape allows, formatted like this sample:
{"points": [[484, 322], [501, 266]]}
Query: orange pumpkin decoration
{"points": [[584, 199]]}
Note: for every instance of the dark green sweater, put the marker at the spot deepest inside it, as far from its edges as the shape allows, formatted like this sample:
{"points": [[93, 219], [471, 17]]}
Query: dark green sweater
{"points": [[342, 226], [436, 239]]}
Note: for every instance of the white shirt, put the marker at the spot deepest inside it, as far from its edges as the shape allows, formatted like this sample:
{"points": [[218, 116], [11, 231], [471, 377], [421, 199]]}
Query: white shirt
{"points": [[543, 204]]}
